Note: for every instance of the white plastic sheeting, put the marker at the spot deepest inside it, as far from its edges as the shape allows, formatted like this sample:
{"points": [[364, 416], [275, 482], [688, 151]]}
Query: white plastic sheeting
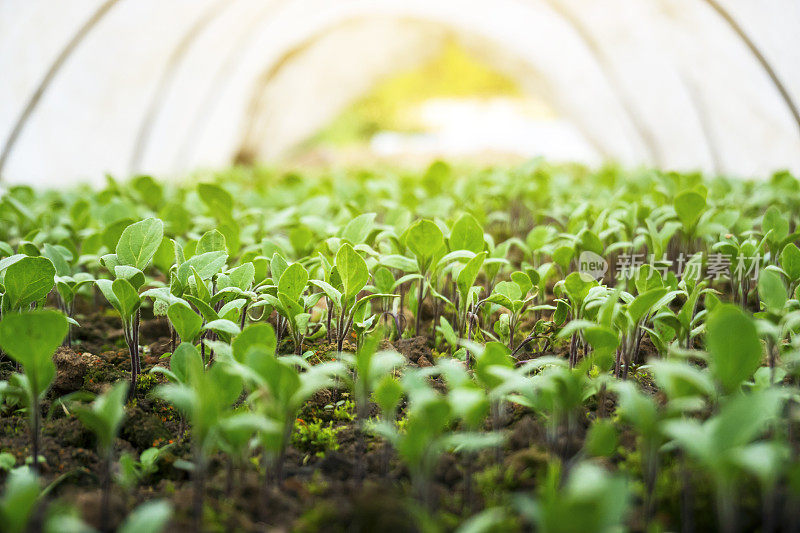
{"points": [[166, 86]]}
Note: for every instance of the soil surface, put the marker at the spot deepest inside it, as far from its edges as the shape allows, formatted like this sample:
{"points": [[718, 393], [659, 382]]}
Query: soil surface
{"points": [[320, 491]]}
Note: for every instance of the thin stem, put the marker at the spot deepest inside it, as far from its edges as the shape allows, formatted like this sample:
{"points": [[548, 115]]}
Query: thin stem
{"points": [[328, 318], [244, 316], [35, 431], [420, 292]]}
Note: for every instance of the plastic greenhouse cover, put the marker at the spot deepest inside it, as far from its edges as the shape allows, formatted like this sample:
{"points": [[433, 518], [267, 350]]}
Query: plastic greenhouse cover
{"points": [[166, 86]]}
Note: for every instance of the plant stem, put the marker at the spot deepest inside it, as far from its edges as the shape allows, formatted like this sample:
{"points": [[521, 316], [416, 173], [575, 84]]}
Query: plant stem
{"points": [[35, 431], [361, 443], [768, 518], [244, 316], [136, 341], [419, 305], [132, 353]]}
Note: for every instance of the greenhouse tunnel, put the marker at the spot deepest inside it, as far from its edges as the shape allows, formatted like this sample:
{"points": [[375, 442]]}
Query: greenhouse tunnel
{"points": [[164, 87]]}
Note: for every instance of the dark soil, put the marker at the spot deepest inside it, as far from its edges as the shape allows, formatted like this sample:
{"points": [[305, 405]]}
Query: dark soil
{"points": [[319, 492]]}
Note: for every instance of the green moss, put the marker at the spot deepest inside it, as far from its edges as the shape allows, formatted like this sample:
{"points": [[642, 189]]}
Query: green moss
{"points": [[99, 374], [146, 382], [343, 410], [316, 437]]}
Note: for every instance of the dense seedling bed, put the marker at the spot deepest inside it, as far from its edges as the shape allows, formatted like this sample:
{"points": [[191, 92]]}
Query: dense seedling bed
{"points": [[541, 348]]}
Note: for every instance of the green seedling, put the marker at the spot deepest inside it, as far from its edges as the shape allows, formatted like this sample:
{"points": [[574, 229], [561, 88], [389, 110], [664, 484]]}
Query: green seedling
{"points": [[591, 500], [368, 366], [580, 290], [104, 418], [132, 471], [204, 400], [721, 443], [278, 389], [135, 249], [68, 282], [471, 406], [351, 277], [31, 339], [23, 497], [514, 297], [425, 435], [426, 241], [292, 304]]}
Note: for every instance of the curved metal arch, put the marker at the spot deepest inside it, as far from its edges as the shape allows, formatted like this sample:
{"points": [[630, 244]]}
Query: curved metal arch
{"points": [[255, 103], [220, 79], [759, 56], [643, 131], [705, 123], [51, 73], [167, 75]]}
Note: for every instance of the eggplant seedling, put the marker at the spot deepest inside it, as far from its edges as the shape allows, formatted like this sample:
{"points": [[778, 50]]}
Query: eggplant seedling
{"points": [[719, 444], [352, 276], [204, 401], [21, 500], [428, 418], [135, 249], [31, 339], [368, 366], [291, 302], [104, 418], [591, 500], [426, 242]]}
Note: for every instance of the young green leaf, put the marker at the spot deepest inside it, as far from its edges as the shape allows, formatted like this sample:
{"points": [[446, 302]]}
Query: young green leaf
{"points": [[138, 243], [105, 415], [206, 265], [149, 517], [466, 234], [185, 362], [261, 335], [790, 261], [775, 222], [186, 322], [689, 205], [218, 200], [27, 281], [424, 239], [20, 495], [127, 297], [772, 291], [31, 339], [469, 273], [353, 270], [358, 229], [211, 241], [733, 344], [293, 281]]}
